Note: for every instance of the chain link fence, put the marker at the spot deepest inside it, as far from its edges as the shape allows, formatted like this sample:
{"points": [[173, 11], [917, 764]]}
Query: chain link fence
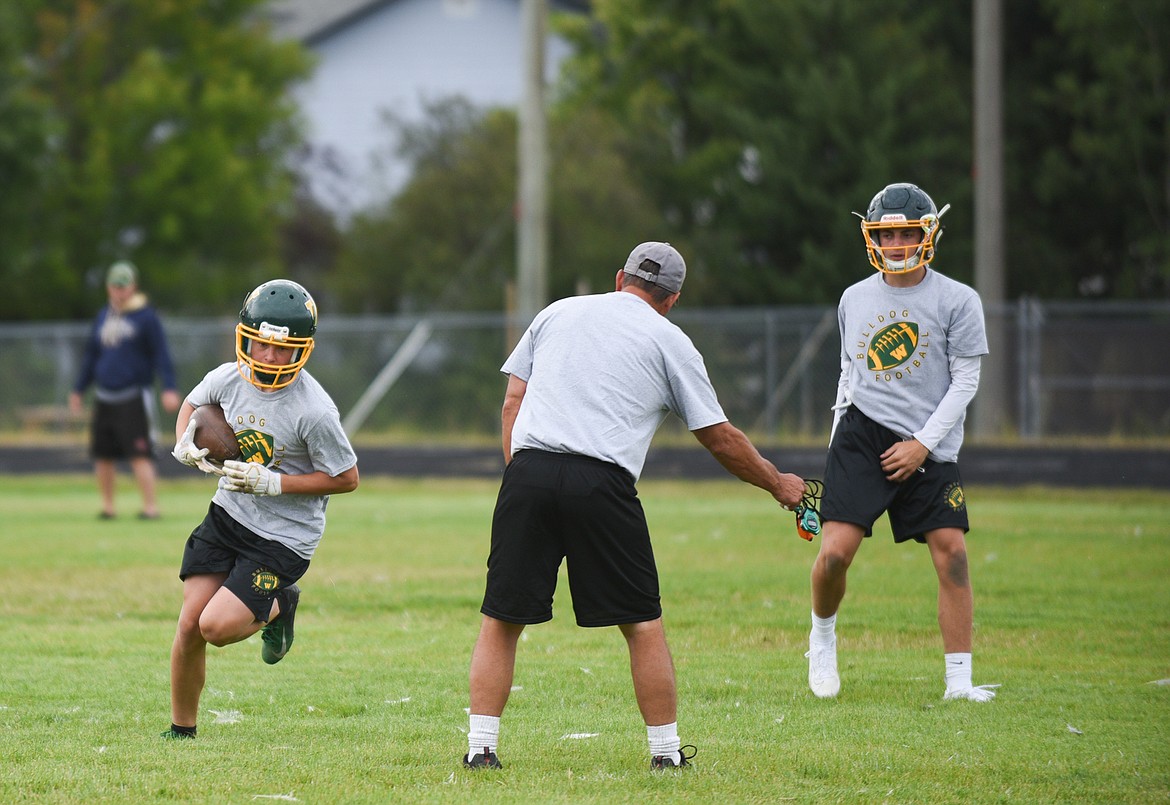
{"points": [[1095, 371]]}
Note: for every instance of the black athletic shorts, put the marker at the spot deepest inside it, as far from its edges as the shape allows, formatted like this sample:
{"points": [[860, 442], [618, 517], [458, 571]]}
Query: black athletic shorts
{"points": [[121, 430], [256, 567], [856, 489], [553, 506]]}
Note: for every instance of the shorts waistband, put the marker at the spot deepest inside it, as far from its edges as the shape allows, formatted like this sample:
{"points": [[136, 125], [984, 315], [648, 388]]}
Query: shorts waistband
{"points": [[573, 458], [118, 396]]}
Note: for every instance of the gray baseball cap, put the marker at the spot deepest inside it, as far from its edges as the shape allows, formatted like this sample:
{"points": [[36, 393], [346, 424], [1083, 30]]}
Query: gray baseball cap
{"points": [[669, 270], [122, 274]]}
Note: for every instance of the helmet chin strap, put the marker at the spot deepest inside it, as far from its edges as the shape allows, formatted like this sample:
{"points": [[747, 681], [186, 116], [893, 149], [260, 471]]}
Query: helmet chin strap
{"points": [[902, 266]]}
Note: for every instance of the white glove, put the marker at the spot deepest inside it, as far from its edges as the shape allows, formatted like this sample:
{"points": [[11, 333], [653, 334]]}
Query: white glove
{"points": [[186, 452], [251, 478]]}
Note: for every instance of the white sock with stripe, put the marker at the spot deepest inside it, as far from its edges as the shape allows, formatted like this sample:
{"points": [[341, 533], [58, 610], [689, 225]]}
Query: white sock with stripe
{"points": [[483, 734], [824, 630]]}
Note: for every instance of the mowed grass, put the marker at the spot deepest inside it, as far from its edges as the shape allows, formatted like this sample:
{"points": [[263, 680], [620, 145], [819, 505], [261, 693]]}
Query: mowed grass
{"points": [[1073, 620]]}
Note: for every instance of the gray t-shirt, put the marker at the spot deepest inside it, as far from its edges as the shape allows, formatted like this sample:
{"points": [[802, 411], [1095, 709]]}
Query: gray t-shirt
{"points": [[603, 371], [896, 344], [293, 431]]}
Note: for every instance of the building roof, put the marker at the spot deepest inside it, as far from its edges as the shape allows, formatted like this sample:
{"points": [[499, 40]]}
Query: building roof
{"points": [[310, 20], [313, 20]]}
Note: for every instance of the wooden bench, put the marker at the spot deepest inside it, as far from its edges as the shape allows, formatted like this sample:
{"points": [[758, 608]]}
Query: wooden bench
{"points": [[51, 418]]}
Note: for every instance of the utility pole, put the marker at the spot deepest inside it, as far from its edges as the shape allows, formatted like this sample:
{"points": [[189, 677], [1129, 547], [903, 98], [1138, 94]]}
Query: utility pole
{"points": [[532, 224], [992, 403]]}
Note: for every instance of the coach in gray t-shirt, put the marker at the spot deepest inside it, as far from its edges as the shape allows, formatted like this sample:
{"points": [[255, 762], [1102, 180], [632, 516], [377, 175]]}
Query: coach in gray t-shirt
{"points": [[588, 385]]}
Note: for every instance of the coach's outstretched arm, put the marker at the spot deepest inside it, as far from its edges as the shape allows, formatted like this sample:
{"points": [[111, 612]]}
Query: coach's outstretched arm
{"points": [[740, 457]]}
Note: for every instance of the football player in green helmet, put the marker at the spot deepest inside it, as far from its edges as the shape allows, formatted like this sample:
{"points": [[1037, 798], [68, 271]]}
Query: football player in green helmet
{"points": [[279, 314], [241, 564]]}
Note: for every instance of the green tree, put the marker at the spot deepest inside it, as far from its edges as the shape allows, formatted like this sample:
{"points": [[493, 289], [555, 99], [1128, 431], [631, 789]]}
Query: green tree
{"points": [[171, 130], [24, 135], [760, 124], [447, 240], [443, 240], [1089, 148]]}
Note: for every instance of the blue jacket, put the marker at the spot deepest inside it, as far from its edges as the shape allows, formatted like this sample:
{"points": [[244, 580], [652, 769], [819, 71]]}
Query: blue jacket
{"points": [[125, 350]]}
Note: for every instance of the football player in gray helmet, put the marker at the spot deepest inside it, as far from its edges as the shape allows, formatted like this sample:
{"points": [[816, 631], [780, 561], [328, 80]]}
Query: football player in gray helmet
{"points": [[901, 228], [911, 344]]}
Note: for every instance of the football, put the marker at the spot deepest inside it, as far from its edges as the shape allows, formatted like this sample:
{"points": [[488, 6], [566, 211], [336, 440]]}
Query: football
{"points": [[213, 432]]}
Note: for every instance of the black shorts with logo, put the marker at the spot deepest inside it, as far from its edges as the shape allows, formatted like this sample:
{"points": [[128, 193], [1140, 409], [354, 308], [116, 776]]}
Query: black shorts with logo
{"points": [[256, 567], [121, 430], [555, 506], [856, 489]]}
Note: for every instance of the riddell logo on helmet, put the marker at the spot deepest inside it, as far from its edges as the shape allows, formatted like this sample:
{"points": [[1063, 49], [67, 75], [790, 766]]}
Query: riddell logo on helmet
{"points": [[273, 332]]}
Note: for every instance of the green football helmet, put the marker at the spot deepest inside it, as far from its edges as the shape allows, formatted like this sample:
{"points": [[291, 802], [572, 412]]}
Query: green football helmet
{"points": [[278, 313], [899, 206]]}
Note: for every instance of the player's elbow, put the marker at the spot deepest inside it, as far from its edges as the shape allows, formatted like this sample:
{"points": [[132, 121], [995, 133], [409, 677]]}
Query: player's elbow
{"points": [[510, 409], [721, 440], [347, 481]]}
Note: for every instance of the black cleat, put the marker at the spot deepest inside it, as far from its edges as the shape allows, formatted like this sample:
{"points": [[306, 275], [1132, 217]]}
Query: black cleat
{"points": [[175, 735], [483, 760], [659, 762]]}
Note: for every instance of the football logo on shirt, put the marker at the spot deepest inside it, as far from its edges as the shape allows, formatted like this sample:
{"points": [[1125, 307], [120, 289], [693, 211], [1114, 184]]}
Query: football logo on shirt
{"points": [[255, 446], [892, 346]]}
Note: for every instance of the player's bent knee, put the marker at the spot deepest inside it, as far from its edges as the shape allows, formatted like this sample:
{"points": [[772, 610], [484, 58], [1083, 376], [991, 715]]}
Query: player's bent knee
{"points": [[218, 633]]}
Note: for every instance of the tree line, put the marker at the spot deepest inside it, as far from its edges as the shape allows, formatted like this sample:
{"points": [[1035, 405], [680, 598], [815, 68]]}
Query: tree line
{"points": [[744, 132]]}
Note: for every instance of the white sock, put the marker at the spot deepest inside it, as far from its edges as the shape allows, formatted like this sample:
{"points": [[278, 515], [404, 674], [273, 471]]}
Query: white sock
{"points": [[958, 671], [824, 630], [483, 734], [664, 741]]}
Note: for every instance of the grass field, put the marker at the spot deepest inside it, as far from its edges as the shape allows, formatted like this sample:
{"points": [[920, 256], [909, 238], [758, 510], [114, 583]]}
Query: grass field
{"points": [[1072, 612]]}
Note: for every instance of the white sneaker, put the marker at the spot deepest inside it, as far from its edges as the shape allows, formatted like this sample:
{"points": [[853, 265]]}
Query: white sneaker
{"points": [[980, 693], [822, 670]]}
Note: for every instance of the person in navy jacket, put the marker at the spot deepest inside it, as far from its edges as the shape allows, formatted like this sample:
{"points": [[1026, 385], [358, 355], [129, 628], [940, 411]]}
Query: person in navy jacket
{"points": [[125, 351]]}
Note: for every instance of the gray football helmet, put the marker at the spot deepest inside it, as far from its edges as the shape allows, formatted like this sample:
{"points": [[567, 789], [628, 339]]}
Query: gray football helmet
{"points": [[899, 206]]}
